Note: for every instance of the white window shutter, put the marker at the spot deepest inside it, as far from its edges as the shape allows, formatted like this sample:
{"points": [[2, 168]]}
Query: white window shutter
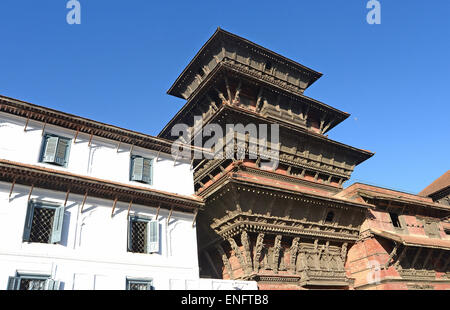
{"points": [[52, 285], [153, 237], [137, 169], [51, 144], [61, 150], [58, 220]]}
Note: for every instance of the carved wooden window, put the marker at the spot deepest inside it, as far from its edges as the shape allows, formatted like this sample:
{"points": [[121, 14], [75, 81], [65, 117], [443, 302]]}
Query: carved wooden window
{"points": [[143, 235], [43, 223], [32, 283]]}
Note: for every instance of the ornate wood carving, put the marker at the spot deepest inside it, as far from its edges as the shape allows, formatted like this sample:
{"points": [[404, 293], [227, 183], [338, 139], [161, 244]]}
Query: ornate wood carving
{"points": [[293, 254], [225, 260], [276, 253], [238, 253], [258, 248], [246, 243]]}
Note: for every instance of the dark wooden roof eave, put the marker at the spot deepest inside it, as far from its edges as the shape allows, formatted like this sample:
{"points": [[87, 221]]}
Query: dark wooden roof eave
{"points": [[61, 181]]}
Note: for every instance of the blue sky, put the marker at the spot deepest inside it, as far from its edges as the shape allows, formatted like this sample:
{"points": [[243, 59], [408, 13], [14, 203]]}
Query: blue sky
{"points": [[118, 64]]}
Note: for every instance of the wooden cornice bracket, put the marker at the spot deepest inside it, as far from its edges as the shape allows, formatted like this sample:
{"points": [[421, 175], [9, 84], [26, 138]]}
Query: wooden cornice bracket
{"points": [[391, 255]]}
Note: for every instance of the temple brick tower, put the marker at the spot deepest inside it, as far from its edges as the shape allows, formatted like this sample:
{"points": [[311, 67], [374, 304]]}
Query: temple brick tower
{"points": [[283, 227]]}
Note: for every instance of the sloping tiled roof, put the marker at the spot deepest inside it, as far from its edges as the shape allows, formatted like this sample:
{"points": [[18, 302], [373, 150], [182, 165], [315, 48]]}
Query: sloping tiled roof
{"points": [[442, 182]]}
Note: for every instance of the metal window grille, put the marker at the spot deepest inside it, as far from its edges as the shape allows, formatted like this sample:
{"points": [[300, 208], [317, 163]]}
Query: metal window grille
{"points": [[42, 224], [27, 284], [134, 285], [138, 236]]}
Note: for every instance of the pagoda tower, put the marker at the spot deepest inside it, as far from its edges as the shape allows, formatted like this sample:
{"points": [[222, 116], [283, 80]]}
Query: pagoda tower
{"points": [[283, 227]]}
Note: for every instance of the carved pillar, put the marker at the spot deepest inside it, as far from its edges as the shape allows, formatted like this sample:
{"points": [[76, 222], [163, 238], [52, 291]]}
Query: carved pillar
{"points": [[258, 248], [276, 253], [225, 260]]}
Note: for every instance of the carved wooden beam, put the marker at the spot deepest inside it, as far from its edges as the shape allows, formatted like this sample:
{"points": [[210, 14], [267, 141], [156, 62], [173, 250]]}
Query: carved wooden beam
{"points": [[212, 102], [416, 257], [391, 255], [221, 96], [225, 260], [400, 257], [227, 85], [258, 248], [427, 259], [293, 254], [238, 91], [276, 253], [238, 253], [245, 240], [259, 98]]}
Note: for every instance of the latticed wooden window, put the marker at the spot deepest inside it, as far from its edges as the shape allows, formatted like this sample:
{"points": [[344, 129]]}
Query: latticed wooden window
{"points": [[55, 150], [32, 283], [138, 236], [143, 235], [43, 223], [139, 285]]}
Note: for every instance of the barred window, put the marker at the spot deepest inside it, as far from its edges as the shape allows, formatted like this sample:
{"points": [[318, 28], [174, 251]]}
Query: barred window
{"points": [[139, 285], [43, 223], [143, 235], [55, 150], [32, 283]]}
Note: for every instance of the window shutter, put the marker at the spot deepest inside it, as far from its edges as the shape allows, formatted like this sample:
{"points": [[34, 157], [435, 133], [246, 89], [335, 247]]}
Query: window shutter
{"points": [[52, 285], [13, 283], [57, 225], [147, 171], [138, 165], [51, 144], [153, 237], [61, 150], [28, 222], [149, 286], [130, 241]]}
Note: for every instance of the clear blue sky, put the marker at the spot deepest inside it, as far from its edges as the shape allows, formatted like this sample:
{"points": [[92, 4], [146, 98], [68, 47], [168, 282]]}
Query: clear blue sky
{"points": [[118, 64]]}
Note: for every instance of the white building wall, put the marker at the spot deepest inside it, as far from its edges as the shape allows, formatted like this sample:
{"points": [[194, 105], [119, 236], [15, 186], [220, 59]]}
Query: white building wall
{"points": [[93, 250], [100, 160]]}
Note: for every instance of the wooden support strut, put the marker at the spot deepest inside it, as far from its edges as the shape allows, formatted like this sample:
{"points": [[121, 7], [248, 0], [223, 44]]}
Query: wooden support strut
{"points": [[76, 136], [114, 207], [129, 208], [67, 197], [31, 191], [26, 124], [195, 217], [12, 188], [90, 139], [118, 146], [170, 215], [43, 128], [157, 212], [84, 201]]}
